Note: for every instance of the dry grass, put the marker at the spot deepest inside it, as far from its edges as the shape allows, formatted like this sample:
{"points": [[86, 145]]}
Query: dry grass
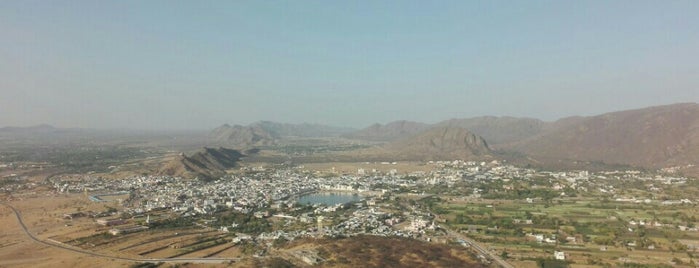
{"points": [[375, 251]]}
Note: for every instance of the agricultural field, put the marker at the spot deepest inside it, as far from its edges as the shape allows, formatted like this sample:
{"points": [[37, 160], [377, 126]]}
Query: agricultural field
{"points": [[589, 231]]}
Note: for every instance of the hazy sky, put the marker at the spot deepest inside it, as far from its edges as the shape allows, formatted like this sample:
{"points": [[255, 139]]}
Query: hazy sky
{"points": [[197, 64]]}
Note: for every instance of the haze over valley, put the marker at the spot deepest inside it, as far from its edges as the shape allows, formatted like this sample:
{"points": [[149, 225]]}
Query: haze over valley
{"points": [[529, 134], [649, 138]]}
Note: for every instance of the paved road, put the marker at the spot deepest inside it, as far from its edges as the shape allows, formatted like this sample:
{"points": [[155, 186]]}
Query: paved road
{"points": [[475, 245], [99, 255]]}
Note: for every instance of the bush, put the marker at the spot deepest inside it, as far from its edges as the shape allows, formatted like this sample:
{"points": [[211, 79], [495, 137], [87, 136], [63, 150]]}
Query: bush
{"points": [[549, 263]]}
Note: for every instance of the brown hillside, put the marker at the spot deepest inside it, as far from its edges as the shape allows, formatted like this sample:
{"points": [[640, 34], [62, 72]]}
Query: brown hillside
{"points": [[651, 137], [208, 164], [389, 132], [499, 130], [440, 143], [242, 136], [496, 130]]}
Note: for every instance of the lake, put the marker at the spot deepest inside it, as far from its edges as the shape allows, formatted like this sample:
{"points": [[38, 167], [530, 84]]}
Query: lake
{"points": [[329, 199]]}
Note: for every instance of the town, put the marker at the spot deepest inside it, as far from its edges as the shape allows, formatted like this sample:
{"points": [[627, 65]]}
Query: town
{"points": [[501, 213]]}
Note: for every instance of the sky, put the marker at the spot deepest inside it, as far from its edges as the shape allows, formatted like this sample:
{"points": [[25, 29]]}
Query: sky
{"points": [[199, 64]]}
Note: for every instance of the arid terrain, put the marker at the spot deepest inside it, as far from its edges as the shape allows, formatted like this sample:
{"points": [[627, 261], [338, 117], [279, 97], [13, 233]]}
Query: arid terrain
{"points": [[476, 192]]}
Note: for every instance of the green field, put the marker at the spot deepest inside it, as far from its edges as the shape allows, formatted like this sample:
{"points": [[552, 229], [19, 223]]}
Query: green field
{"points": [[603, 230]]}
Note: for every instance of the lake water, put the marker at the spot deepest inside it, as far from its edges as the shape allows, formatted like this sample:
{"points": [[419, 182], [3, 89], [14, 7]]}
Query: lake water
{"points": [[329, 199]]}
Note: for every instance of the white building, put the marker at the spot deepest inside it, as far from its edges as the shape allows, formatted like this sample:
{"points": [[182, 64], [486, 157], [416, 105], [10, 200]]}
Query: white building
{"points": [[559, 255]]}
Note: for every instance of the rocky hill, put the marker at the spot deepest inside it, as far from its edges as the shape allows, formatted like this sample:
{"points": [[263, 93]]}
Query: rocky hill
{"points": [[238, 136], [499, 130], [440, 143], [649, 137], [210, 163], [496, 130], [389, 132], [266, 133]]}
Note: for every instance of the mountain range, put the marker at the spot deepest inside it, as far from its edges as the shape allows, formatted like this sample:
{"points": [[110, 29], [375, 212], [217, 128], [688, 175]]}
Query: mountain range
{"points": [[266, 133], [388, 132], [499, 130], [242, 136], [652, 137], [440, 143]]}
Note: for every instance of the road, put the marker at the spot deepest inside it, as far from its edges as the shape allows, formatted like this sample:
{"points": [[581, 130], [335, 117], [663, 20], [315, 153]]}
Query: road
{"points": [[100, 255], [475, 245]]}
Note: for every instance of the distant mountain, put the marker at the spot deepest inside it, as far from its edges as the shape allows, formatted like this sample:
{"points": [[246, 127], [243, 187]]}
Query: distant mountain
{"points": [[43, 128], [440, 143], [389, 132], [496, 130], [207, 164], [499, 130], [279, 130], [242, 136], [265, 133], [649, 137]]}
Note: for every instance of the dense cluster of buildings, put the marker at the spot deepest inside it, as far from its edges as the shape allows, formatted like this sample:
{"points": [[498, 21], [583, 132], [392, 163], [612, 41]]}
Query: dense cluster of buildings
{"points": [[277, 189]]}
